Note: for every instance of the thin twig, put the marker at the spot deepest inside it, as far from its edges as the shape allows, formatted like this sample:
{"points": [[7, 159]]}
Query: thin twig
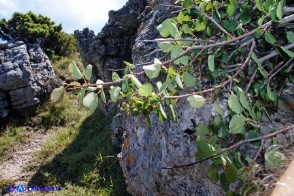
{"points": [[216, 23], [277, 67], [276, 72], [250, 82], [274, 53], [195, 58], [266, 25], [233, 147], [182, 39], [114, 70], [151, 62], [256, 155], [222, 84], [189, 49], [174, 6]]}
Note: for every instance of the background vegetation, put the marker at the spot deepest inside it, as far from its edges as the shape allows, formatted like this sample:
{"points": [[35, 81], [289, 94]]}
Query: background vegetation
{"points": [[32, 28]]}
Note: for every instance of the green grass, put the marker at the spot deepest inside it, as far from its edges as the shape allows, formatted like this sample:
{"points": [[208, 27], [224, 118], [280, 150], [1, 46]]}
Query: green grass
{"points": [[61, 67], [10, 136], [79, 155]]}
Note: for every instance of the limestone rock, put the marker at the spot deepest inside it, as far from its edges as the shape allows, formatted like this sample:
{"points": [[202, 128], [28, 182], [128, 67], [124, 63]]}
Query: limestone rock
{"points": [[146, 150], [113, 44], [25, 74]]}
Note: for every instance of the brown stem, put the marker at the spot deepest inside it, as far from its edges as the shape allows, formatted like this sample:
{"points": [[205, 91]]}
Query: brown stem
{"points": [[182, 39], [220, 85], [256, 155], [234, 146], [189, 49], [273, 54], [216, 23], [195, 58], [250, 82]]}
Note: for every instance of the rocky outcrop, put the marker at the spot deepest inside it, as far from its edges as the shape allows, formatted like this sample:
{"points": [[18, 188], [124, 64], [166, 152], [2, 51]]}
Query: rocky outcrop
{"points": [[25, 74], [113, 44], [146, 150]]}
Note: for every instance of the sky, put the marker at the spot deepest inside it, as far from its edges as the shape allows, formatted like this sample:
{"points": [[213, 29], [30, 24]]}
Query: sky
{"points": [[72, 14]]}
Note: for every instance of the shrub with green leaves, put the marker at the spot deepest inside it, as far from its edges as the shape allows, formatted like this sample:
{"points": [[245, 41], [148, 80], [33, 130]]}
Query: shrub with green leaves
{"points": [[32, 28], [240, 48]]}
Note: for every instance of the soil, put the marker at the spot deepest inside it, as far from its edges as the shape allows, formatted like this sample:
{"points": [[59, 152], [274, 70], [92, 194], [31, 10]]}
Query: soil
{"points": [[19, 164]]}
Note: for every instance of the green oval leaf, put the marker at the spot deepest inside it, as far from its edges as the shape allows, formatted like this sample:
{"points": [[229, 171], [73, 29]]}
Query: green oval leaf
{"points": [[128, 68], [176, 51], [125, 85], [115, 76], [189, 80], [202, 130], [286, 52], [91, 101], [114, 93], [179, 81], [57, 94], [136, 81], [204, 149], [75, 71], [230, 171], [168, 27], [88, 73], [196, 101], [200, 24], [243, 99], [259, 5], [146, 90], [237, 124], [217, 107], [152, 71], [103, 98], [172, 112], [234, 104], [165, 47], [270, 93], [212, 172], [280, 9], [163, 86], [211, 62], [81, 96], [270, 38], [290, 36]]}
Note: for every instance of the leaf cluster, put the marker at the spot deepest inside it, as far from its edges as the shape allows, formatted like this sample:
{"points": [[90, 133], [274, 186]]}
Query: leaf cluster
{"points": [[216, 51]]}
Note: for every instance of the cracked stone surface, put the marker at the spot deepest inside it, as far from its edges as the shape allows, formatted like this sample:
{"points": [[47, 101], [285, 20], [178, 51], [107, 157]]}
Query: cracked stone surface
{"points": [[25, 75]]}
